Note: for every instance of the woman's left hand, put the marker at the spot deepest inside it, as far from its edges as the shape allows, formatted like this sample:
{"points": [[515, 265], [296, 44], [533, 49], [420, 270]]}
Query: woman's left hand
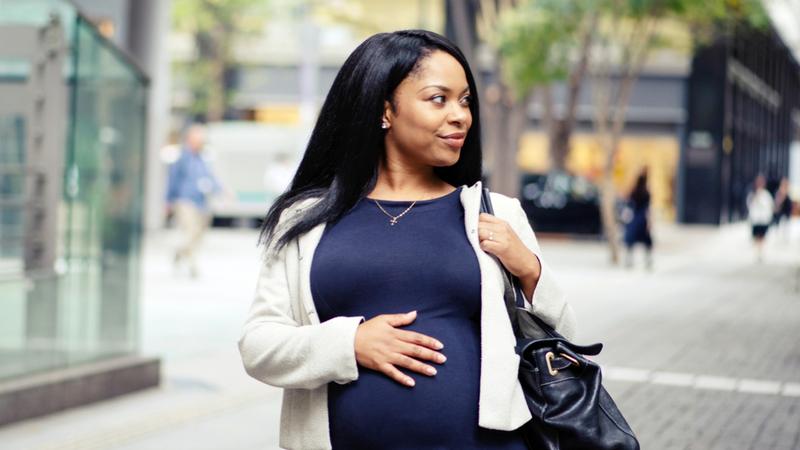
{"points": [[498, 238]]}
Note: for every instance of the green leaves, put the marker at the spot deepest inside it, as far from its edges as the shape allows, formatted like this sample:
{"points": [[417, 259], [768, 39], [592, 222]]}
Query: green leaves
{"points": [[710, 19], [537, 39], [241, 16], [214, 25]]}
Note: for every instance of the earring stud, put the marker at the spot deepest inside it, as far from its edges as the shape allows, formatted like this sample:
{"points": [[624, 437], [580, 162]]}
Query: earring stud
{"points": [[384, 125]]}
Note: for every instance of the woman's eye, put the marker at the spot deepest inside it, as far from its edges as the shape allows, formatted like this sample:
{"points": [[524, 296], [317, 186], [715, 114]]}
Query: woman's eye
{"points": [[466, 100], [437, 97]]}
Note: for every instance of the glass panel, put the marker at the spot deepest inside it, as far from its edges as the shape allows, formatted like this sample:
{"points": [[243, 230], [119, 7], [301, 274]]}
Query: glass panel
{"points": [[12, 194], [37, 12], [84, 306], [104, 197], [34, 13]]}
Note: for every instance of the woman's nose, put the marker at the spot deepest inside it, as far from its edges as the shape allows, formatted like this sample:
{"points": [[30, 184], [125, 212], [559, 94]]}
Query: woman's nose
{"points": [[458, 113]]}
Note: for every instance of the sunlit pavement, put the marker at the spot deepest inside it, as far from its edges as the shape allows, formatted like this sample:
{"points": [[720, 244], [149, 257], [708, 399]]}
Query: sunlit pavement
{"points": [[702, 352]]}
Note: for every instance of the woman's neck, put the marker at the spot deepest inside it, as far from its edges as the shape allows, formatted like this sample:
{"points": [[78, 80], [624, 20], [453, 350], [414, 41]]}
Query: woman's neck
{"points": [[406, 185]]}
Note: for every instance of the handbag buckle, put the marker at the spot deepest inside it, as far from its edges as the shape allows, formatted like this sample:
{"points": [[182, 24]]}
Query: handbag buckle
{"points": [[549, 356]]}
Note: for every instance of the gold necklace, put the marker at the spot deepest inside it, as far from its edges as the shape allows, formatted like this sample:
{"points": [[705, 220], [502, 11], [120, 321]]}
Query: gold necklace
{"points": [[393, 219]]}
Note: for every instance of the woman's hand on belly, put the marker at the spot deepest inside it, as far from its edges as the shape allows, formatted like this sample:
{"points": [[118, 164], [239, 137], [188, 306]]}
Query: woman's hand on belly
{"points": [[380, 346]]}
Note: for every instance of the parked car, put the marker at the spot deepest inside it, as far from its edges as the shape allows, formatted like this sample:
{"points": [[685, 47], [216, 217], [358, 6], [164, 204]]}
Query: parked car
{"points": [[559, 202]]}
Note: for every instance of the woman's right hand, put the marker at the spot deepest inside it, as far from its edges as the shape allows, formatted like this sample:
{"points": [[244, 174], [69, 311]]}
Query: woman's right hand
{"points": [[381, 346]]}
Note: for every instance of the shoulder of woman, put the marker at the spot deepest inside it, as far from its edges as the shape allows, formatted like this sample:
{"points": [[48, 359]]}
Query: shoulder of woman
{"points": [[305, 203], [504, 203], [288, 217], [297, 207], [508, 209]]}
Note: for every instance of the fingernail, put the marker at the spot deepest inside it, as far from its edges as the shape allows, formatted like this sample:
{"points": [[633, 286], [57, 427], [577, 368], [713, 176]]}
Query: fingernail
{"points": [[412, 313], [438, 345], [410, 382], [431, 371], [442, 358]]}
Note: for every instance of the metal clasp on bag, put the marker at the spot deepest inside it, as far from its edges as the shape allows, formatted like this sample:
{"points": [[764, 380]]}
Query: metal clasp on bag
{"points": [[549, 356]]}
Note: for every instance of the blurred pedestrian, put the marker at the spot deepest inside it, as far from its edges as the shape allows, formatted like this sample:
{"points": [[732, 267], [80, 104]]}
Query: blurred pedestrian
{"points": [[190, 183], [386, 199], [783, 209], [278, 175], [637, 226], [760, 210]]}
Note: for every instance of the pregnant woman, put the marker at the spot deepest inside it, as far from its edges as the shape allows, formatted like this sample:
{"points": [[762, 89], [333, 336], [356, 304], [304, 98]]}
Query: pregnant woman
{"points": [[379, 306]]}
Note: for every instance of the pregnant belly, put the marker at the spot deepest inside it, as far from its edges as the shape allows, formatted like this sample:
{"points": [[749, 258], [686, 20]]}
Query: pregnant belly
{"points": [[438, 412]]}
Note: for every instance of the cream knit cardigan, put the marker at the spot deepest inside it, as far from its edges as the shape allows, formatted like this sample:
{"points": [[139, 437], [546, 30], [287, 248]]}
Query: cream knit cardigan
{"points": [[284, 344]]}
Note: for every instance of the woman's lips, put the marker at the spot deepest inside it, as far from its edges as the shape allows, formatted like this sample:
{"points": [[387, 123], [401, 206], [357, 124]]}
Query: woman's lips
{"points": [[454, 140]]}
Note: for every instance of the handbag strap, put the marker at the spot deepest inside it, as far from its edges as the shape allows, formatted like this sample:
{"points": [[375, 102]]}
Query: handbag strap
{"points": [[512, 295]]}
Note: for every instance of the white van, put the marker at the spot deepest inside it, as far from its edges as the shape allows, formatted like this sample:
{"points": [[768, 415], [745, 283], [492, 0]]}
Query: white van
{"points": [[254, 163]]}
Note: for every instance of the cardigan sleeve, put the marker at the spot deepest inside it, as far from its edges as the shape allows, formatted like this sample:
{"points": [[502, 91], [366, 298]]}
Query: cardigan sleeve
{"points": [[549, 302], [277, 350]]}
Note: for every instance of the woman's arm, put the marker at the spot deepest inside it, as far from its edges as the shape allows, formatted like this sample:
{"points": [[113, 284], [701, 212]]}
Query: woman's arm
{"points": [[278, 351]]}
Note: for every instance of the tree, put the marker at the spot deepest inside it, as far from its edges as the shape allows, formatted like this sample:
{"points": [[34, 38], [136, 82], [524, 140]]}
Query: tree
{"points": [[542, 42], [630, 30], [534, 43], [524, 46], [215, 26]]}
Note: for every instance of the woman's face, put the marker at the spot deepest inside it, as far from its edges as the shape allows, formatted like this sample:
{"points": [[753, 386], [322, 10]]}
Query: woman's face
{"points": [[431, 116]]}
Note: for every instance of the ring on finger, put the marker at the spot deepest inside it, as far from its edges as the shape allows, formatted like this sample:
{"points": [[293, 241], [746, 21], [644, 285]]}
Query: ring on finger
{"points": [[491, 235]]}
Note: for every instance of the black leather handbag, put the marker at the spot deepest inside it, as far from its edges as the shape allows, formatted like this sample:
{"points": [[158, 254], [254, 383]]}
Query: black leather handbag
{"points": [[571, 409]]}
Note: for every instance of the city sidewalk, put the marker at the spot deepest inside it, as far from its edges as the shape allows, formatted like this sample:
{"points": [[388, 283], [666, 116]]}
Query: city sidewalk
{"points": [[702, 352]]}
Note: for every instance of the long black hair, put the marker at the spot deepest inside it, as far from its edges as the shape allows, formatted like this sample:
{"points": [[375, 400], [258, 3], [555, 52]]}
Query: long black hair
{"points": [[341, 161], [640, 196]]}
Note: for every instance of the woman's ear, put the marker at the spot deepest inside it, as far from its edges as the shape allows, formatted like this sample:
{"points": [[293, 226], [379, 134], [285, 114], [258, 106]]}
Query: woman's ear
{"points": [[386, 119]]}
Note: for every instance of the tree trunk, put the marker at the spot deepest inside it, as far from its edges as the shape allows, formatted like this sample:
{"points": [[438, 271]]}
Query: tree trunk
{"points": [[216, 95], [492, 118], [557, 143], [560, 128], [516, 124], [463, 26], [608, 216], [560, 133], [503, 122], [637, 50]]}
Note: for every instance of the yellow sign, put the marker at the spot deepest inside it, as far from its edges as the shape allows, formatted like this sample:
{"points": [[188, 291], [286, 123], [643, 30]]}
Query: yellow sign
{"points": [[278, 114]]}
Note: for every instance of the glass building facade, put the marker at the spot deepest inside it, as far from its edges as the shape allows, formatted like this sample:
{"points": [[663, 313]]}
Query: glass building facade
{"points": [[72, 149]]}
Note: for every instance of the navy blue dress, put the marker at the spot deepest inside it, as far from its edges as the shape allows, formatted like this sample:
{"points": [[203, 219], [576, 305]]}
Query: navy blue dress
{"points": [[363, 266], [637, 230]]}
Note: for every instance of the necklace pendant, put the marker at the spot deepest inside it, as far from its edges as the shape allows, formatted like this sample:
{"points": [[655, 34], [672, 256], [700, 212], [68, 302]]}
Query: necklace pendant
{"points": [[393, 222]]}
